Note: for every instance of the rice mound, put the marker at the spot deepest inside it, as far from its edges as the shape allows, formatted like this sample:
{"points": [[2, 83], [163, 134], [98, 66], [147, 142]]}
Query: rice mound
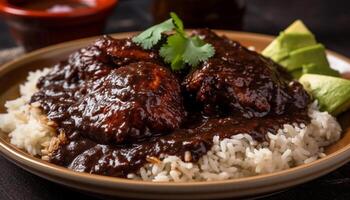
{"points": [[238, 156], [28, 128]]}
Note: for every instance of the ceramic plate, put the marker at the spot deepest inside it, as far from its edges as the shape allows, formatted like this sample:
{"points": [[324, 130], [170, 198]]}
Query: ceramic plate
{"points": [[13, 73]]}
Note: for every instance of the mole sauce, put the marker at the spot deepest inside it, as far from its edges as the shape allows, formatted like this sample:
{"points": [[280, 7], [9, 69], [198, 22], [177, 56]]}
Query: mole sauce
{"points": [[161, 114]]}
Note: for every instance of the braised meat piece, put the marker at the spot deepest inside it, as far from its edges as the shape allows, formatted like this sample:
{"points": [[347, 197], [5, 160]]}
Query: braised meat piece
{"points": [[96, 60], [124, 51], [93, 94], [239, 80], [121, 107], [130, 103]]}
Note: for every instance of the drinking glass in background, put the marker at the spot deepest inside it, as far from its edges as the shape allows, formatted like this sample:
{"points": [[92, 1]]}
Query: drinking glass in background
{"points": [[215, 14]]}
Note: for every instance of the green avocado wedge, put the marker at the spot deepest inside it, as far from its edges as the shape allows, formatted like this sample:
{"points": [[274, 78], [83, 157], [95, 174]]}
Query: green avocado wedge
{"points": [[332, 93], [311, 59], [297, 27], [297, 50], [279, 49], [297, 73], [297, 35]]}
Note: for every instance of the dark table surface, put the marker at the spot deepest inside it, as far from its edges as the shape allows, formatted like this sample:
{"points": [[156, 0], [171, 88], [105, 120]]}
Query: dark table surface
{"points": [[329, 20]]}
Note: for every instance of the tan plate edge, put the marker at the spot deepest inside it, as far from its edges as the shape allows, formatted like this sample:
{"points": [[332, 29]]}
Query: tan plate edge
{"points": [[12, 153]]}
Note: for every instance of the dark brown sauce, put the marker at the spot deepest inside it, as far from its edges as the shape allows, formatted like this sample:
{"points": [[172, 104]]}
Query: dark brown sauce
{"points": [[85, 155], [118, 104]]}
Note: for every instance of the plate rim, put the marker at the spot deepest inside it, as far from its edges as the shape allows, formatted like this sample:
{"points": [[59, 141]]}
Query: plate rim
{"points": [[13, 153]]}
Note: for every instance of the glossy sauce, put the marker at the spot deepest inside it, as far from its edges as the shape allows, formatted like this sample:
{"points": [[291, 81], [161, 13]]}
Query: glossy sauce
{"points": [[118, 105]]}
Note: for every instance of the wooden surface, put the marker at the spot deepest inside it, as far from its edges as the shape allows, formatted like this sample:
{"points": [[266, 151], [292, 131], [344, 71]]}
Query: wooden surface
{"points": [[328, 19]]}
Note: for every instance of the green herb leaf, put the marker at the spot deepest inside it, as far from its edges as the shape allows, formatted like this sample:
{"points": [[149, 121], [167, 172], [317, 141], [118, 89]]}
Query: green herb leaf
{"points": [[180, 50], [179, 26], [173, 50], [197, 51], [153, 35]]}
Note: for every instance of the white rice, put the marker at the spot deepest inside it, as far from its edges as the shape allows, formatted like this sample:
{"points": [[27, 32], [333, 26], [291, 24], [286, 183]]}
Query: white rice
{"points": [[238, 156], [26, 125]]}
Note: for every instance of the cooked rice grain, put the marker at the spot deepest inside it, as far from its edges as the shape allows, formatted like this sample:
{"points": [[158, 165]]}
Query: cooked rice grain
{"points": [[28, 128], [238, 156], [241, 156]]}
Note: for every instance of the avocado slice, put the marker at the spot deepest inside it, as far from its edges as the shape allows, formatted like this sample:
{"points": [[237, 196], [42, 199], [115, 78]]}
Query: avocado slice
{"points": [[297, 73], [286, 42], [332, 93], [319, 69], [297, 35], [312, 59], [297, 27], [274, 51], [294, 41], [296, 49]]}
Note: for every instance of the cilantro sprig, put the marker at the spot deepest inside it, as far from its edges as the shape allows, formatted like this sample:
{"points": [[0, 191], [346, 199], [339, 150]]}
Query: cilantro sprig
{"points": [[180, 50], [153, 35]]}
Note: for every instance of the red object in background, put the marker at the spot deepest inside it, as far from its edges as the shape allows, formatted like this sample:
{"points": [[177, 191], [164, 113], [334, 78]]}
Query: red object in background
{"points": [[216, 14], [346, 75], [38, 23]]}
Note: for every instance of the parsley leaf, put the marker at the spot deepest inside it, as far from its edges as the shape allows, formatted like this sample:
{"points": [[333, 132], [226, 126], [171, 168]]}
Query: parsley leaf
{"points": [[153, 35], [180, 49]]}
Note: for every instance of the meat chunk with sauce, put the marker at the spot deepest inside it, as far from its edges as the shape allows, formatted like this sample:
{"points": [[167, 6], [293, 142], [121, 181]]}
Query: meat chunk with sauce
{"points": [[132, 102], [112, 92], [120, 106], [124, 51], [237, 80]]}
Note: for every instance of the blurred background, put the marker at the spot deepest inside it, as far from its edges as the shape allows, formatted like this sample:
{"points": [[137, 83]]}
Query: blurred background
{"points": [[329, 20]]}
